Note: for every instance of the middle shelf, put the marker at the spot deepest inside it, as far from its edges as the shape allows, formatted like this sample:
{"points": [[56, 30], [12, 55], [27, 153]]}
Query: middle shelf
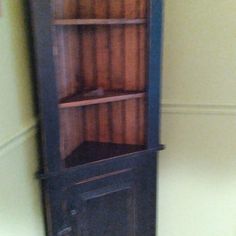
{"points": [[108, 96]]}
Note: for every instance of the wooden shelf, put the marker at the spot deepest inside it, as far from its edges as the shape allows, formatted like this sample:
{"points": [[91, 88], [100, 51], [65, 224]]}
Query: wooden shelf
{"points": [[98, 21], [89, 152], [109, 96]]}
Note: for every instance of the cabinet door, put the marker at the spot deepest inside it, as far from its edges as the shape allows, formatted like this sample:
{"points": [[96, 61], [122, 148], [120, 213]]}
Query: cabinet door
{"points": [[118, 199], [103, 206]]}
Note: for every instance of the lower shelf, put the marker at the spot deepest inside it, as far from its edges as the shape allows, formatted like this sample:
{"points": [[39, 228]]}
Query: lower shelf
{"points": [[95, 151]]}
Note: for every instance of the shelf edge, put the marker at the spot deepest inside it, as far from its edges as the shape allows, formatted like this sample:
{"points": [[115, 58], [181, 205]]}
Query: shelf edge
{"points": [[100, 100], [98, 21]]}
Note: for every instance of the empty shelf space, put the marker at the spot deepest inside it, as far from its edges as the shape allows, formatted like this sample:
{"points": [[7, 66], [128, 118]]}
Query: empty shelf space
{"points": [[89, 152], [108, 96], [98, 21]]}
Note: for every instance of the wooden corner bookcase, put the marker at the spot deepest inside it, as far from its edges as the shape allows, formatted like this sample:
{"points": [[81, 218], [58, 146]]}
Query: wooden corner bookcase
{"points": [[98, 73]]}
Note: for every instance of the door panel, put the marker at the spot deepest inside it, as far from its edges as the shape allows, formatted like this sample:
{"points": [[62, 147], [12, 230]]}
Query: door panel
{"points": [[108, 214], [103, 207], [113, 198]]}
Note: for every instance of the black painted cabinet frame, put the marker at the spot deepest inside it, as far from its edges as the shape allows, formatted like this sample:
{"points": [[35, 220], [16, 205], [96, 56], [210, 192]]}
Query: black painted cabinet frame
{"points": [[114, 196]]}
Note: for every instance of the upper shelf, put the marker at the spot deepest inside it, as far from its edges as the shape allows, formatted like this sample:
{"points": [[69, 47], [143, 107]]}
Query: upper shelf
{"points": [[98, 21], [108, 96]]}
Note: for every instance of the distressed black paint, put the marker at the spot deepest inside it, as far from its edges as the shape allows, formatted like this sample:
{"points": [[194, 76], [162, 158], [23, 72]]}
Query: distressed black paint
{"points": [[124, 184]]}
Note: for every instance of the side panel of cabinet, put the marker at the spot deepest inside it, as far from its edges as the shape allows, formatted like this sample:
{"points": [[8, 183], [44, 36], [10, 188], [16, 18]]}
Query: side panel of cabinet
{"points": [[41, 17], [154, 72]]}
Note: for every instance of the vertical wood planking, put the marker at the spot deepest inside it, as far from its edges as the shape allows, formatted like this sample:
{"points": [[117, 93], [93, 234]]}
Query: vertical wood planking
{"points": [[131, 67], [102, 57], [84, 9], [70, 9], [118, 124], [100, 9], [111, 57], [91, 124], [117, 69], [63, 133], [95, 68], [70, 50], [66, 49], [66, 55], [142, 70], [131, 47], [73, 43], [143, 64], [143, 57], [104, 132], [102, 50], [80, 131], [89, 68], [131, 126], [59, 52], [142, 121], [87, 35], [76, 135], [117, 46], [71, 130], [102, 54]]}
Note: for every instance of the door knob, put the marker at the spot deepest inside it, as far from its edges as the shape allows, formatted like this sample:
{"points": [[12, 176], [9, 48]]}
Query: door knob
{"points": [[73, 212], [64, 231]]}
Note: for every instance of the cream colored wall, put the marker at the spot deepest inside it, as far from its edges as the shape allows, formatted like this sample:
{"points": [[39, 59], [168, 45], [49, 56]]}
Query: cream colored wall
{"points": [[197, 195], [20, 208], [197, 184]]}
